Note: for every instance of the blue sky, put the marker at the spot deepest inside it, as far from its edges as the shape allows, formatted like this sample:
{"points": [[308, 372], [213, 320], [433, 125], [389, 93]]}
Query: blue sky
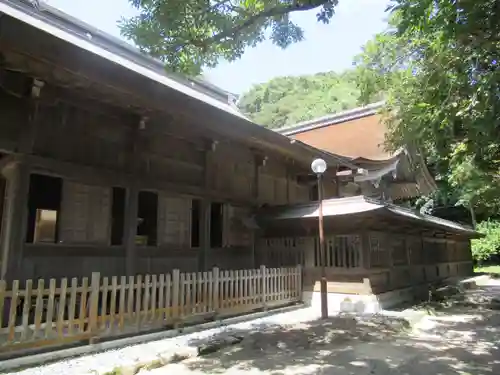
{"points": [[325, 48]]}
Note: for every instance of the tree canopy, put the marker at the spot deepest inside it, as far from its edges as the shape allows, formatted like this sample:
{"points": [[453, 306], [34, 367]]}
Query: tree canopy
{"points": [[439, 68], [191, 34], [288, 100]]}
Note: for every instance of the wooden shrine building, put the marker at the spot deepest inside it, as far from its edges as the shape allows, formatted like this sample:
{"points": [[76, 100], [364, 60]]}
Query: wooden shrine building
{"points": [[111, 165], [377, 254]]}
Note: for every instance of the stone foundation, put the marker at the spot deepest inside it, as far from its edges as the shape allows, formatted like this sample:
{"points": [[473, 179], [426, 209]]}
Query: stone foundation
{"points": [[369, 304], [374, 303]]}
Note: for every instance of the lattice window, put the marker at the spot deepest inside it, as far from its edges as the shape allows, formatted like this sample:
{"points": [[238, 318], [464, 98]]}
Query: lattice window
{"points": [[282, 251], [377, 253], [235, 232], [85, 213], [398, 249], [174, 224], [341, 251]]}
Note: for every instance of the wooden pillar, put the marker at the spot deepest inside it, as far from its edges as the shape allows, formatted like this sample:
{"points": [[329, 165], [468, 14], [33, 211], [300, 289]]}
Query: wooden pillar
{"points": [[309, 251], [337, 184], [256, 179], [365, 250], [208, 182], [256, 176], [204, 235], [208, 168], [388, 245], [254, 248], [288, 176], [408, 245], [130, 229], [17, 174], [134, 162], [14, 220]]}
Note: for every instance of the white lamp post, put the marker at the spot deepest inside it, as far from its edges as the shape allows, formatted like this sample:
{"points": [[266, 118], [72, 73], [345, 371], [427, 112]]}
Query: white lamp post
{"points": [[319, 166]]}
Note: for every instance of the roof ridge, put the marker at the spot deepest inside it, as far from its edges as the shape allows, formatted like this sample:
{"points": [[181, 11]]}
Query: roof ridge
{"points": [[331, 119]]}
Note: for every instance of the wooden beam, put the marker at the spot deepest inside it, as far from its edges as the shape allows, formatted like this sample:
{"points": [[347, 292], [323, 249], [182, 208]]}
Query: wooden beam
{"points": [[8, 162], [157, 124], [110, 177]]}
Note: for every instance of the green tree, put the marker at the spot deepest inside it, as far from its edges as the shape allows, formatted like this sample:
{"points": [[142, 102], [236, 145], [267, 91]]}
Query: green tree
{"points": [[443, 92], [384, 62], [191, 34], [289, 100], [484, 248]]}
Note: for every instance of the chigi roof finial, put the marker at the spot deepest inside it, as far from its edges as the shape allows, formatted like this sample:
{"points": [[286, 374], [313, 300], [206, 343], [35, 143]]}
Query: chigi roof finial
{"points": [[35, 4]]}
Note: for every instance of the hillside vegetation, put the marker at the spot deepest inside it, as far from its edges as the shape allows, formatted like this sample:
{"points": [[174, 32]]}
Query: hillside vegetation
{"points": [[288, 100]]}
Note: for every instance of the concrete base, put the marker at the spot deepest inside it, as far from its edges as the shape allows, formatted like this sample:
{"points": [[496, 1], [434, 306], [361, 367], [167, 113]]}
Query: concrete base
{"points": [[369, 304]]}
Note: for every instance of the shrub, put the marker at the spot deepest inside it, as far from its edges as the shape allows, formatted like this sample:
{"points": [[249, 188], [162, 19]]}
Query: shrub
{"points": [[484, 248]]}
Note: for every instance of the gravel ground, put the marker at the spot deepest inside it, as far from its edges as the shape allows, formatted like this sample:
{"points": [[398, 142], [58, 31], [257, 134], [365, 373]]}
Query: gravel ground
{"points": [[461, 339], [458, 340], [102, 362]]}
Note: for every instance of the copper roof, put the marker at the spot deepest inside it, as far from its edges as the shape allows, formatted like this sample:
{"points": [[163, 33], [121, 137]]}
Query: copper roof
{"points": [[358, 133], [358, 205]]}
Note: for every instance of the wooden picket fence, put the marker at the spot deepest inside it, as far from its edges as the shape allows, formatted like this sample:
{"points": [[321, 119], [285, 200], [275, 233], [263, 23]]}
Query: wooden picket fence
{"points": [[84, 310]]}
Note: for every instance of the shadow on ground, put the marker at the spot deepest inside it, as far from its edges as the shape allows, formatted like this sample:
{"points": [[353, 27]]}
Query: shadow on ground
{"points": [[362, 345]]}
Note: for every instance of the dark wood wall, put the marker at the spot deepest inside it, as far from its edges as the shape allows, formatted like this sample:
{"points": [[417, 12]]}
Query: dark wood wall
{"points": [[367, 252], [94, 146]]}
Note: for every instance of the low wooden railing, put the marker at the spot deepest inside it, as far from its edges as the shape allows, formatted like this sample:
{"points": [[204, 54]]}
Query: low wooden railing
{"points": [[77, 310]]}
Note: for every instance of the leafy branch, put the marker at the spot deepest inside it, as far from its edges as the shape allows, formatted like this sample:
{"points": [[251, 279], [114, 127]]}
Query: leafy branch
{"points": [[189, 35]]}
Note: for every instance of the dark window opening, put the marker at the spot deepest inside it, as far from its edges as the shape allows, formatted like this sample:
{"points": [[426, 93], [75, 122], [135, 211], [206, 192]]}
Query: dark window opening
{"points": [[147, 218], [44, 208], [216, 225], [117, 215], [195, 223]]}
